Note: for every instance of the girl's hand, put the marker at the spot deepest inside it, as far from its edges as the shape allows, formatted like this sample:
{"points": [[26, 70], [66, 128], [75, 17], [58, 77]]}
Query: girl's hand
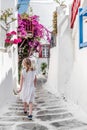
{"points": [[18, 91]]}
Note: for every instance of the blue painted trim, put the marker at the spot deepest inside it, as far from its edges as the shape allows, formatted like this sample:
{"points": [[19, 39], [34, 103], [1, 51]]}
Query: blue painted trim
{"points": [[82, 13], [83, 44], [85, 14], [80, 28]]}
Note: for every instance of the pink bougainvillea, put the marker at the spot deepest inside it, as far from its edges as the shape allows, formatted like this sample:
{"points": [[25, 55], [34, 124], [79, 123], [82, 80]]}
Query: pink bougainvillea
{"points": [[30, 28], [9, 39]]}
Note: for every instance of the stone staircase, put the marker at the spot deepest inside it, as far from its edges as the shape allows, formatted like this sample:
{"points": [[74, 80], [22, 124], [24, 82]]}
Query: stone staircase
{"points": [[49, 113]]}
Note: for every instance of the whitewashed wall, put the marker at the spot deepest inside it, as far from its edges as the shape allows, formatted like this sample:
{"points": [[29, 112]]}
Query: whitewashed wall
{"points": [[76, 88], [71, 65], [8, 60], [52, 82], [61, 59], [0, 26], [5, 5], [6, 77]]}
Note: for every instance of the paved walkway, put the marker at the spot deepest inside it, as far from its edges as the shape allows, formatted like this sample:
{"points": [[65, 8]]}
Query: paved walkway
{"points": [[49, 113]]}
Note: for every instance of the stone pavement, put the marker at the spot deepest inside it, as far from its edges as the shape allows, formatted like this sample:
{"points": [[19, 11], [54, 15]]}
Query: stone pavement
{"points": [[49, 113]]}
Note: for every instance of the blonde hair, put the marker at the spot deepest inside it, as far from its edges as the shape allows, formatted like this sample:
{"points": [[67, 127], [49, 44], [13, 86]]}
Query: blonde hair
{"points": [[27, 63]]}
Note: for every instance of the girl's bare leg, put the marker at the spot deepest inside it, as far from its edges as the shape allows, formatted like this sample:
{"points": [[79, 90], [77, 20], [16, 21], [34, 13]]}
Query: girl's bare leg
{"points": [[30, 108], [25, 106]]}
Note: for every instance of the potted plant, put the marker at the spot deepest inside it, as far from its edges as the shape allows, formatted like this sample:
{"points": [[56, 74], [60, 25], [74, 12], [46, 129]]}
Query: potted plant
{"points": [[43, 68]]}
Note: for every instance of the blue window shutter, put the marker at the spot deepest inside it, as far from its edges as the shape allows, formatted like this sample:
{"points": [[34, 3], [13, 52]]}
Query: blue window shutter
{"points": [[82, 13]]}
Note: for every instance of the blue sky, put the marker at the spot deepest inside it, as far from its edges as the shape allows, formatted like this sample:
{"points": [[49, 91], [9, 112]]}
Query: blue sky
{"points": [[25, 3], [23, 6]]}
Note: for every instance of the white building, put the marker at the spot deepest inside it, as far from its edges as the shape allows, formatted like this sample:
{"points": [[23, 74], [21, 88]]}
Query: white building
{"points": [[69, 78], [8, 59]]}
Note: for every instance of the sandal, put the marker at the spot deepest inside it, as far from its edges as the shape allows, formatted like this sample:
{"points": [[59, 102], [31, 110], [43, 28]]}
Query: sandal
{"points": [[25, 112], [30, 117]]}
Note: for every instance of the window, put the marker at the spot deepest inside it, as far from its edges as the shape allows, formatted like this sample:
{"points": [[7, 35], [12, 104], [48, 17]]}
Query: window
{"points": [[82, 28]]}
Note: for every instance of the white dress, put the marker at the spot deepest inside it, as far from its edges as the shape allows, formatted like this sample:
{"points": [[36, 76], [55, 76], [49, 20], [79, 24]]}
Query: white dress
{"points": [[28, 88]]}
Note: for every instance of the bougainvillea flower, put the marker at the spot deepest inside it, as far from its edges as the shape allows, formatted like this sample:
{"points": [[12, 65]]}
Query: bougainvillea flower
{"points": [[8, 34], [19, 40], [13, 33], [10, 41], [15, 41], [7, 40]]}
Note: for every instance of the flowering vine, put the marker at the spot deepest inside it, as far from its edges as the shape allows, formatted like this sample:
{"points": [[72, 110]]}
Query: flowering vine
{"points": [[31, 32]]}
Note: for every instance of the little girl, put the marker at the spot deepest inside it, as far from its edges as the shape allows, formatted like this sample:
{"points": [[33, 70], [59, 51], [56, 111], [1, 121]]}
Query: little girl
{"points": [[27, 85]]}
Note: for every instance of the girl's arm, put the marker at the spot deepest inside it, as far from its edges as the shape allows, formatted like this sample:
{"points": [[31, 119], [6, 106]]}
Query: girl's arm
{"points": [[21, 83]]}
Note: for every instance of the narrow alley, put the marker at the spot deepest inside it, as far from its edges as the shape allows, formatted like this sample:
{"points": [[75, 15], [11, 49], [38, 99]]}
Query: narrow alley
{"points": [[50, 113], [47, 41]]}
